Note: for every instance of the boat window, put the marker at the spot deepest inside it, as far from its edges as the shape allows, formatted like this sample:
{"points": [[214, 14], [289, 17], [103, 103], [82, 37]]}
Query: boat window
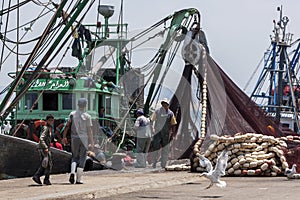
{"points": [[89, 101], [50, 101], [94, 103], [108, 105], [30, 98], [285, 125], [68, 102]]}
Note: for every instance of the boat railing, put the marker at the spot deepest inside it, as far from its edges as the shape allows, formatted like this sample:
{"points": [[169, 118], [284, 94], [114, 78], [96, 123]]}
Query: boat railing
{"points": [[98, 30], [283, 108], [46, 74]]}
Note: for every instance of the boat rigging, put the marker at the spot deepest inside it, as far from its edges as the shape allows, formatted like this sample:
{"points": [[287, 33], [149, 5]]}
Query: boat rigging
{"points": [[277, 89], [118, 74], [112, 79]]}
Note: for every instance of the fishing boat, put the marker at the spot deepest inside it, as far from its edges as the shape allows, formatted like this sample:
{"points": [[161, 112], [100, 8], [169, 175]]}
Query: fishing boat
{"points": [[38, 89], [105, 74], [277, 88], [26, 157]]}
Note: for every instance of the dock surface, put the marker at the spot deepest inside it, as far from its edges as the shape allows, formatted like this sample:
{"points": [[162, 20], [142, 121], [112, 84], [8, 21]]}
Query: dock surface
{"points": [[150, 184]]}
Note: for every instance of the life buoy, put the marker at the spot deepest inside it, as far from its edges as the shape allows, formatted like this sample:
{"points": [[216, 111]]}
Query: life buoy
{"points": [[39, 123]]}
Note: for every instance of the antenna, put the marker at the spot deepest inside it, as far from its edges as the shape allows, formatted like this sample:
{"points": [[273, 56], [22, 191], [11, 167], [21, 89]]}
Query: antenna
{"points": [[282, 23]]}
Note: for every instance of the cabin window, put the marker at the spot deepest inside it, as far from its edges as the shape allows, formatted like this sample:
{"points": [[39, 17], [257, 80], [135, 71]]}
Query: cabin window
{"points": [[108, 105], [94, 103], [89, 101], [285, 125], [50, 101], [68, 102], [30, 98]]}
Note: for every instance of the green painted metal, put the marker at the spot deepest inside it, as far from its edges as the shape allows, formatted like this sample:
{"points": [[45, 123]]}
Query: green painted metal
{"points": [[33, 83], [75, 85], [177, 19]]}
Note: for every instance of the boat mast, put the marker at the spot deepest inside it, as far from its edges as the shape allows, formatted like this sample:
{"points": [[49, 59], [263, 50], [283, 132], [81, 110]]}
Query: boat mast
{"points": [[282, 46], [280, 72]]}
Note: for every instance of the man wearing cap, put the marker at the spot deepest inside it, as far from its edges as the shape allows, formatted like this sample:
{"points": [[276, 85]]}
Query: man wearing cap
{"points": [[143, 135], [81, 139], [163, 119]]}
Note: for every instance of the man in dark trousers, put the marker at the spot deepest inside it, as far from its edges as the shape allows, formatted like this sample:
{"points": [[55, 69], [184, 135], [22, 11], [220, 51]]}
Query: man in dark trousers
{"points": [[44, 150], [163, 119], [81, 139]]}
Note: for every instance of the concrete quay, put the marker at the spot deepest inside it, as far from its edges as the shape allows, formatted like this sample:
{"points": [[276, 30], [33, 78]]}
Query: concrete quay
{"points": [[150, 184]]}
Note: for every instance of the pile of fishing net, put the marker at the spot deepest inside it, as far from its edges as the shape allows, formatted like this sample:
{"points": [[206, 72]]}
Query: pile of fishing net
{"points": [[250, 154]]}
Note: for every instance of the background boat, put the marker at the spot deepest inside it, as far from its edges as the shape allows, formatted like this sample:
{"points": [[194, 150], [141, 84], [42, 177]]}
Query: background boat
{"points": [[277, 88]]}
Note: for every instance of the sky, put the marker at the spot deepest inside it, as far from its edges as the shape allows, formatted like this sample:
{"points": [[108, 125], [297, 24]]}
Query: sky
{"points": [[238, 32]]}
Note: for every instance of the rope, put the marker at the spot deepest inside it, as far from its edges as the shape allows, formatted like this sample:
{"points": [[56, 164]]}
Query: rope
{"points": [[11, 8], [123, 137], [2, 52], [11, 50]]}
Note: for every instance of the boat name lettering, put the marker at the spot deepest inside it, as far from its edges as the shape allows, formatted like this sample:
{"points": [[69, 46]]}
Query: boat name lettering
{"points": [[51, 84], [38, 84]]}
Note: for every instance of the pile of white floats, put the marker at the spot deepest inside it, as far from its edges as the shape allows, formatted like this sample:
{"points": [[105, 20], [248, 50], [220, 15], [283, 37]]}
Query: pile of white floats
{"points": [[249, 154]]}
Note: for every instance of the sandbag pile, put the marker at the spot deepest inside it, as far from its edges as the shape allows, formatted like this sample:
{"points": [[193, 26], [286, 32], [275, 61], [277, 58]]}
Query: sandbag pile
{"points": [[249, 154]]}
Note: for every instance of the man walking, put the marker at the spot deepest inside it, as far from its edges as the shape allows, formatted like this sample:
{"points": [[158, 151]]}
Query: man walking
{"points": [[81, 139], [44, 150], [163, 119]]}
